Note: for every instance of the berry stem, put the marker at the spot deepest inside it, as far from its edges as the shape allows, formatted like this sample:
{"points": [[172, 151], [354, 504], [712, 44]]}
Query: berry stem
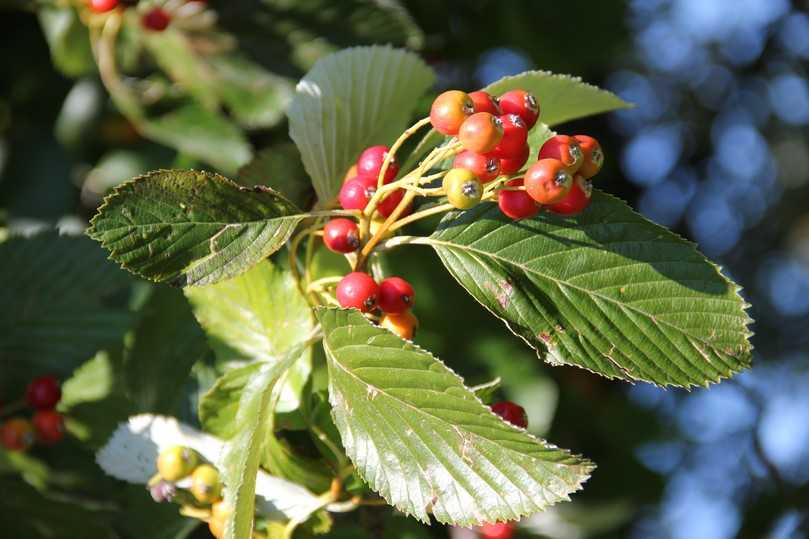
{"points": [[410, 131], [440, 208], [366, 250]]}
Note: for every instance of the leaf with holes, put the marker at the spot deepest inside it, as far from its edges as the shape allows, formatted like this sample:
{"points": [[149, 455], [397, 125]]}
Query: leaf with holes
{"points": [[608, 291], [424, 441], [352, 99], [191, 227]]}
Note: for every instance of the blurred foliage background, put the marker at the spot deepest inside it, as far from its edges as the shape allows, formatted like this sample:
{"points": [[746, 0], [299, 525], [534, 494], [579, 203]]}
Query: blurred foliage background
{"points": [[716, 149]]}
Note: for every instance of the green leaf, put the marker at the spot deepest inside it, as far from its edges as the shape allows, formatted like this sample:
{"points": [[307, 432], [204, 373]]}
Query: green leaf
{"points": [[200, 133], [282, 461], [55, 311], [608, 291], [486, 391], [68, 39], [191, 227], [256, 97], [219, 405], [243, 451], [561, 97], [167, 342], [423, 440], [350, 100], [279, 167]]}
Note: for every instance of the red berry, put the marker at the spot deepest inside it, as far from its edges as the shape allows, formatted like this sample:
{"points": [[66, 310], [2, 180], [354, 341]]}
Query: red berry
{"points": [[449, 110], [481, 132], [576, 200], [390, 202], [156, 19], [548, 181], [395, 295], [102, 6], [593, 156], [512, 165], [341, 235], [485, 102], [516, 204], [521, 103], [564, 148], [356, 192], [501, 530], [49, 426], [485, 167], [513, 413], [17, 434], [515, 137], [370, 163], [43, 392], [357, 290]]}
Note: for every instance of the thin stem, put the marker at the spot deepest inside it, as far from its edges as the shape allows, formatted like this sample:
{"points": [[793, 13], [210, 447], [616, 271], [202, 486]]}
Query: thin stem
{"points": [[322, 283], [410, 131], [441, 208], [326, 499], [380, 233]]}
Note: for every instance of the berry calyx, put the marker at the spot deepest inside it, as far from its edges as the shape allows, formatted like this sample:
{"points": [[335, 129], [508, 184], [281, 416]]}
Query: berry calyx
{"points": [[500, 530], [516, 204], [511, 412], [485, 102], [523, 104], [512, 165], [17, 434], [449, 110], [356, 192], [515, 137], [102, 6], [485, 167], [547, 181], [481, 132], [357, 290], [341, 235], [463, 188], [564, 148], [576, 200], [43, 392], [395, 295], [176, 462], [371, 160], [49, 426], [156, 19], [593, 156], [404, 324], [205, 485]]}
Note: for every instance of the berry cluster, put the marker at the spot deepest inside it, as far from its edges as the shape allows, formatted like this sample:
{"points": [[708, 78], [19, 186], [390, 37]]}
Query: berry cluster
{"points": [[488, 147], [180, 467], [46, 426], [393, 296], [493, 133]]}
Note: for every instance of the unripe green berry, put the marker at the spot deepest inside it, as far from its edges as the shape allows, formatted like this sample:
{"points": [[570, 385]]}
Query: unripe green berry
{"points": [[463, 188], [176, 462]]}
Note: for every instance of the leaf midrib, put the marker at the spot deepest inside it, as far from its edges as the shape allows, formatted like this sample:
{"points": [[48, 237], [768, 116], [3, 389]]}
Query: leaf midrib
{"points": [[258, 222], [560, 283]]}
